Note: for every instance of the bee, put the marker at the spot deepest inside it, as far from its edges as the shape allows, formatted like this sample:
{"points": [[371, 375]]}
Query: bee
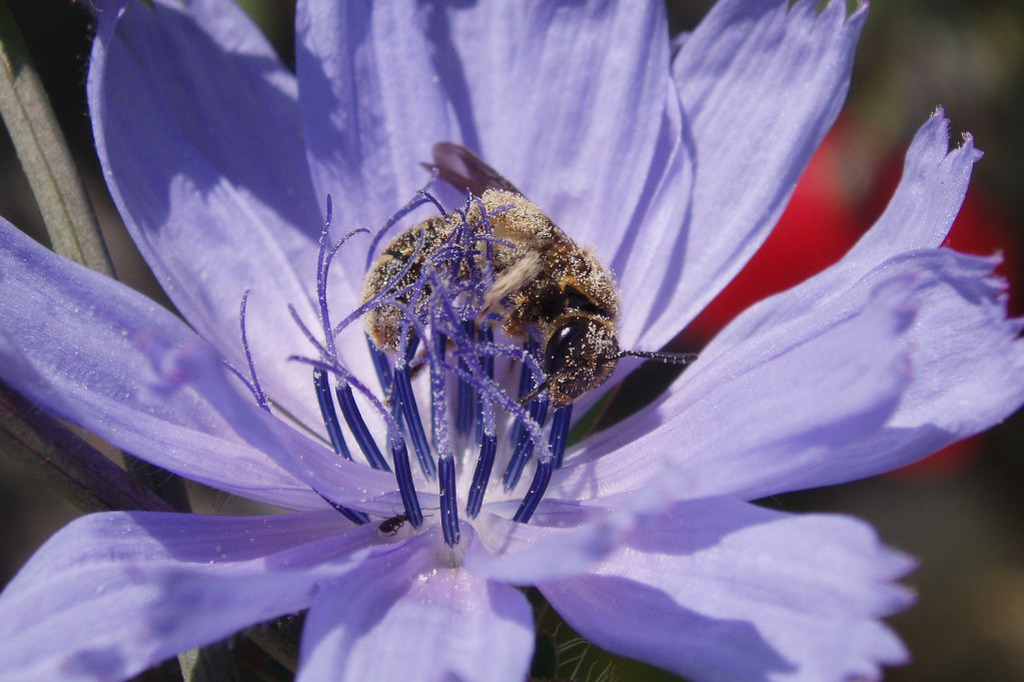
{"points": [[392, 525], [548, 287]]}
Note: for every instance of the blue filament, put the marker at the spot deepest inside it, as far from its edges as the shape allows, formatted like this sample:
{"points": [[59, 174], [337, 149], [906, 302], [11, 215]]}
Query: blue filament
{"points": [[254, 385], [533, 496], [440, 342], [439, 296], [407, 406], [330, 416], [525, 384], [486, 334], [356, 517], [406, 485], [524, 448], [410, 349], [449, 501], [482, 474], [323, 396], [464, 412], [355, 422], [559, 433], [381, 365]]}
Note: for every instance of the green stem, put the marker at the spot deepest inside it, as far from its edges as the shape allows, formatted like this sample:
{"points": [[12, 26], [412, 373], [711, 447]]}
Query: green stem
{"points": [[44, 155], [212, 663], [60, 195], [79, 471]]}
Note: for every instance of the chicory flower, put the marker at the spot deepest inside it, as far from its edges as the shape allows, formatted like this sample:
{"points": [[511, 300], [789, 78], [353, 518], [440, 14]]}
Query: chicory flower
{"points": [[672, 162]]}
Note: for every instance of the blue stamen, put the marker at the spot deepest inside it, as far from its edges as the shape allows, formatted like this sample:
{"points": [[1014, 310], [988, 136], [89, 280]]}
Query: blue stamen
{"points": [[464, 414], [422, 197], [437, 376], [407, 406], [559, 433], [382, 366], [486, 334], [439, 304], [524, 448], [482, 474], [449, 502], [525, 384], [330, 416], [410, 349], [406, 486], [356, 423], [356, 517], [533, 496], [254, 386]]}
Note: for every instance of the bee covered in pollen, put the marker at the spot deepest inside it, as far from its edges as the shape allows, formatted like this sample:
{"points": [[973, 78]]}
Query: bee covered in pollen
{"points": [[543, 286]]}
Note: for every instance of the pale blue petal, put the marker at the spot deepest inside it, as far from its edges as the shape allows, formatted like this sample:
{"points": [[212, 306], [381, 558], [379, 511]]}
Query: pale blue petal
{"points": [[96, 353], [719, 590], [964, 359], [760, 85], [762, 412], [197, 128], [113, 594], [410, 615], [573, 102], [918, 216]]}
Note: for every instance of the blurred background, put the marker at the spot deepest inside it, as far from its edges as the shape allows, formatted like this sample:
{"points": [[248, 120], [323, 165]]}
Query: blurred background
{"points": [[960, 512]]}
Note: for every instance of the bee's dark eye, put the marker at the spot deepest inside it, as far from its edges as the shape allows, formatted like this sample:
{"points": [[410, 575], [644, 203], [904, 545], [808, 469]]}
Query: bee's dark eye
{"points": [[560, 344]]}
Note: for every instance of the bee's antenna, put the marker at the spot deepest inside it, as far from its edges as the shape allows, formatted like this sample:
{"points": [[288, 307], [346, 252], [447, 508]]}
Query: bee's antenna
{"points": [[669, 358], [540, 388]]}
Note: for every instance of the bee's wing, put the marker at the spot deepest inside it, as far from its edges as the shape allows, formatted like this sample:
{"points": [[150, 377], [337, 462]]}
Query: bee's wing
{"points": [[464, 170]]}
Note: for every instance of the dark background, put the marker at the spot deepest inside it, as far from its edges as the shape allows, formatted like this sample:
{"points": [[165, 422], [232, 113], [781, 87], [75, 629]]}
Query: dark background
{"points": [[961, 512]]}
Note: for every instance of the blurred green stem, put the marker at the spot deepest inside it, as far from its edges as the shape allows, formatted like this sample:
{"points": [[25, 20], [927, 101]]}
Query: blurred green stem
{"points": [[82, 473], [79, 471], [70, 222], [60, 195], [212, 663]]}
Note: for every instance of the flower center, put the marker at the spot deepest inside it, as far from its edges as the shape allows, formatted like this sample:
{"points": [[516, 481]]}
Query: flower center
{"points": [[429, 304]]}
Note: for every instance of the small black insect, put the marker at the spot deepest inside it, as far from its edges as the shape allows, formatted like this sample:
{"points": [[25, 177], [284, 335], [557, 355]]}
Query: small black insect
{"points": [[394, 524]]}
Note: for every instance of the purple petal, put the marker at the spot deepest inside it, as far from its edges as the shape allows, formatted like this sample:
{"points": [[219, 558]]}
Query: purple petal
{"points": [[967, 370], [579, 117], [96, 353], [777, 407], [371, 106], [406, 616], [112, 594], [966, 365], [197, 129], [561, 540], [112, 361], [371, 109], [721, 590], [919, 216], [760, 85], [568, 100]]}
